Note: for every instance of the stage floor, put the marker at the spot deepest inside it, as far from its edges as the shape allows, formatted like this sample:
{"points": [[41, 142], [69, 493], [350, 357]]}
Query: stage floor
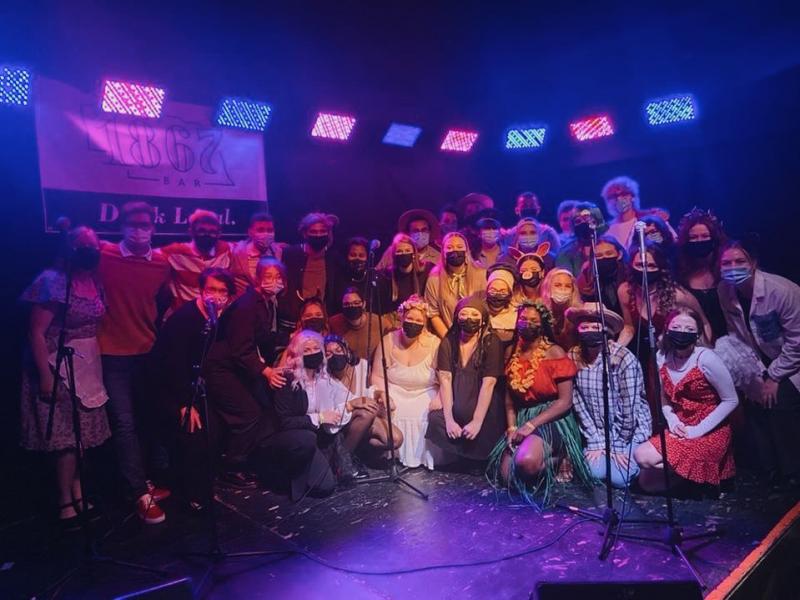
{"points": [[384, 528]]}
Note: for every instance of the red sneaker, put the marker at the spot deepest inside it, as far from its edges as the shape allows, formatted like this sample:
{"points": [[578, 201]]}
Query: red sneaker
{"points": [[149, 511], [157, 493]]}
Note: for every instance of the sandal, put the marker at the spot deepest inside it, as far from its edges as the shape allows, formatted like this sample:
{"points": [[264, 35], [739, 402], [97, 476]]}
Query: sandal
{"points": [[564, 474]]}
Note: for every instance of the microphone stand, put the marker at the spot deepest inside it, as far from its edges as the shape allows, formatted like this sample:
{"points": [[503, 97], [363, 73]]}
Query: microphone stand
{"points": [[65, 357], [673, 535], [393, 474], [610, 516]]}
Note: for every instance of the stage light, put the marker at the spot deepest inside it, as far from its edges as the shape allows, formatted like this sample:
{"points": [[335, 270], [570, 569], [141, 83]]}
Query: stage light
{"points": [[333, 127], [132, 99], [592, 128], [15, 85], [525, 137], [671, 109], [402, 135], [244, 114], [457, 140]]}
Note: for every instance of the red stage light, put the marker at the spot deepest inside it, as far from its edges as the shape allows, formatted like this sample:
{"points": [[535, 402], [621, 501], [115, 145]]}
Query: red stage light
{"points": [[591, 128], [132, 99], [333, 127], [458, 140]]}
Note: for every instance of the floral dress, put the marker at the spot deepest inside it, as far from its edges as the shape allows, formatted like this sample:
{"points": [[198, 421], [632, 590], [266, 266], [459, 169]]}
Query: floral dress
{"points": [[533, 384], [83, 318]]}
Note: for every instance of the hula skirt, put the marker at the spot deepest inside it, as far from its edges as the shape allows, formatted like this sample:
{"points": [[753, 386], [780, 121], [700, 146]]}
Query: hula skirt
{"points": [[561, 438]]}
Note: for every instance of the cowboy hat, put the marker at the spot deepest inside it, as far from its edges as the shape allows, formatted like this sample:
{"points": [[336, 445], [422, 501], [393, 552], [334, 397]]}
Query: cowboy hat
{"points": [[419, 214], [590, 311]]}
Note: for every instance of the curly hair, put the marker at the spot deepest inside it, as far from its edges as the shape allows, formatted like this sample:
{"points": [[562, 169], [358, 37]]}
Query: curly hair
{"points": [[544, 313], [666, 288], [698, 216]]}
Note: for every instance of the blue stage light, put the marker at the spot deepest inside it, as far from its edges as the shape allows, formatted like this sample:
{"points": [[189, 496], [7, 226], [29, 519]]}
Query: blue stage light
{"points": [[15, 85], [671, 109], [525, 137], [402, 135], [244, 114]]}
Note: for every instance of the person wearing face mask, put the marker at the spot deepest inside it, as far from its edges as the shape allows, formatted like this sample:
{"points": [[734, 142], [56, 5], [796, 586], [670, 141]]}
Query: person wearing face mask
{"points": [[630, 415], [611, 261], [531, 270], [621, 196], [313, 269], [189, 259], [500, 282], [352, 324], [491, 247], [423, 228], [413, 386], [182, 423], [698, 396], [665, 295], [260, 243], [455, 277], [370, 438], [559, 292], [448, 220], [762, 310], [406, 275], [135, 280], [313, 317], [564, 214], [469, 364], [355, 275], [542, 443], [525, 238], [700, 238], [587, 218], [46, 297], [528, 206]]}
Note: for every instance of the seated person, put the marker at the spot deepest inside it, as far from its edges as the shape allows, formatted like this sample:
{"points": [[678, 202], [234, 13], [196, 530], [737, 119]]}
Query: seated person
{"points": [[630, 413], [354, 326]]}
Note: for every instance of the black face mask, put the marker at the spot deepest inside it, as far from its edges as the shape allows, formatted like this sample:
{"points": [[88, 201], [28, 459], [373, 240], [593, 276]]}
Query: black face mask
{"points": [[607, 267], [402, 261], [85, 258], [456, 258], [583, 231], [317, 242], [205, 242], [357, 266], [653, 277], [533, 281], [682, 339], [700, 249], [529, 332], [590, 339], [312, 361], [469, 325], [337, 363], [314, 324], [411, 330], [498, 301], [528, 213], [353, 313]]}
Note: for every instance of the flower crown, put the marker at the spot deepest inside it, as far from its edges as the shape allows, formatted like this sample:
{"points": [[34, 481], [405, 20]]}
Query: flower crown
{"points": [[541, 308], [412, 302]]}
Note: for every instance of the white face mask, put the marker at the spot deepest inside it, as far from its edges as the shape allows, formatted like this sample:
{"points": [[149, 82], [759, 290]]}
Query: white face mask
{"points": [[655, 237], [263, 240], [272, 288], [561, 297], [138, 236], [421, 239], [528, 241], [624, 205], [490, 236]]}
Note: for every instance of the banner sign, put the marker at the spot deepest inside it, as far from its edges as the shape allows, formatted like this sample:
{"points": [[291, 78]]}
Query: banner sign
{"points": [[92, 162]]}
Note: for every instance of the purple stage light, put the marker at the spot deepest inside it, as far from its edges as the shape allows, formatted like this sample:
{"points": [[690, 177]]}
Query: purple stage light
{"points": [[671, 109], [525, 137], [15, 85], [592, 128], [333, 127], [132, 99], [458, 140], [401, 135], [244, 114]]}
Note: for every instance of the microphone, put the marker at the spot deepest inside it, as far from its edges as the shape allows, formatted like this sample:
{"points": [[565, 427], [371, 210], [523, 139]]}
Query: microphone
{"points": [[374, 245], [639, 227], [211, 309]]}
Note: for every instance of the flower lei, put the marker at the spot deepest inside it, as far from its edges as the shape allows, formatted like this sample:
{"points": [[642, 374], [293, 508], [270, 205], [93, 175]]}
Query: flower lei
{"points": [[522, 373]]}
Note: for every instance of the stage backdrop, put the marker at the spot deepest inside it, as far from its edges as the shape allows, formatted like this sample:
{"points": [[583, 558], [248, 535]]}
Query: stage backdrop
{"points": [[92, 162]]}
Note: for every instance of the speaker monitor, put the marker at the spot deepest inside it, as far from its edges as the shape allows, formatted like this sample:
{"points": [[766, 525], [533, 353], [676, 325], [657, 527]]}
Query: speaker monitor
{"points": [[618, 590]]}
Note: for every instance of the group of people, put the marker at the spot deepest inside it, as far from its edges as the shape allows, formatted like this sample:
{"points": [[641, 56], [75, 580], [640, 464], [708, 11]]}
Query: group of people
{"points": [[273, 362]]}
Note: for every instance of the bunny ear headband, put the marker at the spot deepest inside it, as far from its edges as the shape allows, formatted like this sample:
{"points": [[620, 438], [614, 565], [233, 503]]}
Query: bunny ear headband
{"points": [[540, 252]]}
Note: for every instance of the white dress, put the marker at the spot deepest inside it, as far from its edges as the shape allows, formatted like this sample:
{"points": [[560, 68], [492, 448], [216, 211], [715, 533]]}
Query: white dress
{"points": [[412, 389]]}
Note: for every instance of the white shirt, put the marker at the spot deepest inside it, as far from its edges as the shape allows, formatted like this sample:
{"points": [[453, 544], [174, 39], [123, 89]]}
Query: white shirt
{"points": [[327, 393]]}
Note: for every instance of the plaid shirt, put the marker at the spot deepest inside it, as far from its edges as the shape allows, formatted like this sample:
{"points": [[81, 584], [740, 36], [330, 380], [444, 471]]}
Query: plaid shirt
{"points": [[630, 413]]}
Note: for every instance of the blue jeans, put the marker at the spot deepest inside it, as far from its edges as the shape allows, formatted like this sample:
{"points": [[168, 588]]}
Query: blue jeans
{"points": [[123, 378], [620, 478]]}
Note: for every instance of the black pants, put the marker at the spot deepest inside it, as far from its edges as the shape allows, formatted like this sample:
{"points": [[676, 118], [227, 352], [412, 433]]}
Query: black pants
{"points": [[292, 459], [774, 432]]}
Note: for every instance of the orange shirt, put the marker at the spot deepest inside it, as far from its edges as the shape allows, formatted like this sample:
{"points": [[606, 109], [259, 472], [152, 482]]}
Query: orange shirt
{"points": [[550, 372]]}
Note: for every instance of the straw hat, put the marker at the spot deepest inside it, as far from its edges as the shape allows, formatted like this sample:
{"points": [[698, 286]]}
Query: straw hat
{"points": [[590, 311]]}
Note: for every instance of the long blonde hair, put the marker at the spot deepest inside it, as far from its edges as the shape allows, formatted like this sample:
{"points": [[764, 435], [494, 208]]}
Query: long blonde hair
{"points": [[545, 289], [293, 357], [474, 276]]}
